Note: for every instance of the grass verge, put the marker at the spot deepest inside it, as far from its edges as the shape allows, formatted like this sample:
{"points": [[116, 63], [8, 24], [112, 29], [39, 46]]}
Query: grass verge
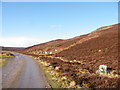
{"points": [[5, 57], [53, 83]]}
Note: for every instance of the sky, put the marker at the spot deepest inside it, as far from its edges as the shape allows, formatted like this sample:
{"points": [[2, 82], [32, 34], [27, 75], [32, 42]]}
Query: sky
{"points": [[28, 23]]}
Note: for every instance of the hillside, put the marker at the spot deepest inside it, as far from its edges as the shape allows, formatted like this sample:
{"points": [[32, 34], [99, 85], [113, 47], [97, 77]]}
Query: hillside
{"points": [[61, 45], [51, 46], [78, 58], [102, 49]]}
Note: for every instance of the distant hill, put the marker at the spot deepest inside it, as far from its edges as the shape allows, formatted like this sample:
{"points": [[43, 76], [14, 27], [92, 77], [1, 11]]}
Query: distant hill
{"points": [[61, 45], [53, 45], [11, 48]]}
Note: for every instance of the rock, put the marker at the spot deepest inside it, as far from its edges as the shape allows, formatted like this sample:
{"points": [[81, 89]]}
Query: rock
{"points": [[57, 68], [54, 78], [50, 52], [74, 60], [46, 52], [64, 78], [78, 86], [99, 50], [46, 64], [72, 83], [50, 67], [102, 69]]}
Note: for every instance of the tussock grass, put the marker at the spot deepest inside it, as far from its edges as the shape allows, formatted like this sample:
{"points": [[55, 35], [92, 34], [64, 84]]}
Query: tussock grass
{"points": [[50, 78], [3, 61], [4, 57]]}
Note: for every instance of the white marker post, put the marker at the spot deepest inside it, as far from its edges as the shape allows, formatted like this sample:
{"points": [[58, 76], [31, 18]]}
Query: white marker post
{"points": [[102, 69]]}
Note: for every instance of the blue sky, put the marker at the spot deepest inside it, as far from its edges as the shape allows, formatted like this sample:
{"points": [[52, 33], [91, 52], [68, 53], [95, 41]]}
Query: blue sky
{"points": [[28, 23]]}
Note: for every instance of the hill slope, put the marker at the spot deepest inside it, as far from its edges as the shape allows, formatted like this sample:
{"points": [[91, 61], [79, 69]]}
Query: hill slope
{"points": [[79, 58], [51, 46], [103, 49]]}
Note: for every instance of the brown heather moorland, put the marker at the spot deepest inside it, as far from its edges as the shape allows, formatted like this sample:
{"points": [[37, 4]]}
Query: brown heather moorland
{"points": [[79, 58]]}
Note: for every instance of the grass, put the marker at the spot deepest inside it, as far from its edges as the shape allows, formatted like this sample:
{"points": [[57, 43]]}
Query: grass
{"points": [[4, 58], [53, 83], [3, 61]]}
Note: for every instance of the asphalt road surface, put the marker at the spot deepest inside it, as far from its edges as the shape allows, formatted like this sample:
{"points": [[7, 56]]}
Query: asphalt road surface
{"points": [[22, 72]]}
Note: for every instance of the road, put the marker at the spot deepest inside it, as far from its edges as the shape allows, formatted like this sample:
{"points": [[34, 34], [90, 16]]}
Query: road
{"points": [[22, 72]]}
